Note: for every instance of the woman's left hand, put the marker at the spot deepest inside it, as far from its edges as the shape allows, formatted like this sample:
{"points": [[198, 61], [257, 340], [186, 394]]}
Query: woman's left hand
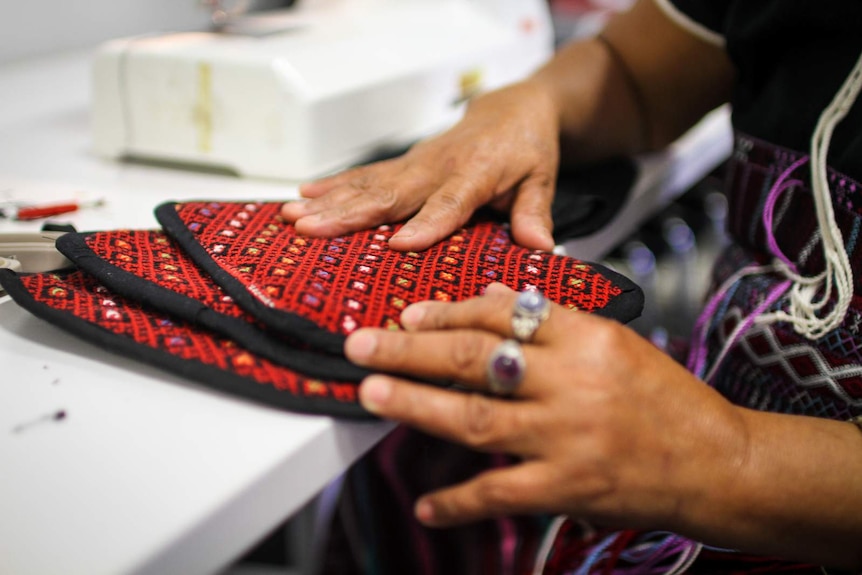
{"points": [[607, 427]]}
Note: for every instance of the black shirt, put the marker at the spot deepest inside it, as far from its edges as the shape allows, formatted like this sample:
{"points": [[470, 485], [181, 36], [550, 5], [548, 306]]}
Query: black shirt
{"points": [[791, 57]]}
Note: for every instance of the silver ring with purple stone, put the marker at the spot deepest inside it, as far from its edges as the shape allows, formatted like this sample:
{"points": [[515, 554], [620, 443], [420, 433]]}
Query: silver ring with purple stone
{"points": [[506, 368], [531, 309]]}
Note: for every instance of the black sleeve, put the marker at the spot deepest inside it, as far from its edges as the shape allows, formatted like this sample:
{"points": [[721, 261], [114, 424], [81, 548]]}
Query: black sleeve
{"points": [[710, 15]]}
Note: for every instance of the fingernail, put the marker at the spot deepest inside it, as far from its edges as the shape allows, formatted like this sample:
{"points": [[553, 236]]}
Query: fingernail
{"points": [[497, 287], [374, 392], [424, 511], [313, 217], [412, 316], [303, 222], [405, 232], [546, 234], [360, 345], [293, 206]]}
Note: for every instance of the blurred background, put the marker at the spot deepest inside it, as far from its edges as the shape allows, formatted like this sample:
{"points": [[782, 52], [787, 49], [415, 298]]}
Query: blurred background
{"points": [[37, 27], [670, 256]]}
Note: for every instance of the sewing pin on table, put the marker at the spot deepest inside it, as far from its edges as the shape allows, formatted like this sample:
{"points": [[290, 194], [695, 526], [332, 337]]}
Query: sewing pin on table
{"points": [[56, 416], [26, 212]]}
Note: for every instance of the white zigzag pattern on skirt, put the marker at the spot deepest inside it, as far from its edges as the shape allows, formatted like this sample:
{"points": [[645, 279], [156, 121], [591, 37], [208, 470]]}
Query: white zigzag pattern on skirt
{"points": [[828, 375]]}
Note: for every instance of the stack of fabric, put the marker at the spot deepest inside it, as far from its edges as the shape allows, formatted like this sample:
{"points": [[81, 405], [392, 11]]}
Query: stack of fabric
{"points": [[229, 295]]}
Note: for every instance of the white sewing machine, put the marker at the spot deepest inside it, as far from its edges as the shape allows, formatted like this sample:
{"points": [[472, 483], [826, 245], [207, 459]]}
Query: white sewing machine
{"points": [[299, 92]]}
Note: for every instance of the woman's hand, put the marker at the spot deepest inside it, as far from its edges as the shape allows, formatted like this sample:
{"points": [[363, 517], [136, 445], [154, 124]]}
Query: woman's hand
{"points": [[608, 428], [504, 153], [611, 430]]}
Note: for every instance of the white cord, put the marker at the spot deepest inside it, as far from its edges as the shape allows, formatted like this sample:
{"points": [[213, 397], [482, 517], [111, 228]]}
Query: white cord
{"points": [[838, 275], [685, 561], [549, 538], [547, 544]]}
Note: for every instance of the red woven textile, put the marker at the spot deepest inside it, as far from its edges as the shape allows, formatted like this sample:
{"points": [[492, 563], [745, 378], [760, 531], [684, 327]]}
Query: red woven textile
{"points": [[233, 298], [320, 290], [81, 305], [147, 266]]}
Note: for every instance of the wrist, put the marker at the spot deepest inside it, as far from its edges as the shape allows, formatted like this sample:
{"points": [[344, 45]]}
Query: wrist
{"points": [[598, 115], [716, 463], [790, 491]]}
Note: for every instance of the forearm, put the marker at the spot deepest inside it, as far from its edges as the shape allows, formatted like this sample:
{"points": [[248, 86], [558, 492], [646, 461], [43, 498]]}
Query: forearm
{"points": [[797, 493], [637, 87], [598, 113]]}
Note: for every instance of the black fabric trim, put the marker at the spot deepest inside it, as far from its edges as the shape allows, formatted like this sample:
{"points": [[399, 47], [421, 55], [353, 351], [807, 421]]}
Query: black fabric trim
{"points": [[249, 336], [711, 14], [622, 309], [207, 375], [295, 326]]}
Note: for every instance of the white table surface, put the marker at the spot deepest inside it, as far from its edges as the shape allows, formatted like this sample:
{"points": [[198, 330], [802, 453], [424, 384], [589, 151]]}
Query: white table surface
{"points": [[150, 473]]}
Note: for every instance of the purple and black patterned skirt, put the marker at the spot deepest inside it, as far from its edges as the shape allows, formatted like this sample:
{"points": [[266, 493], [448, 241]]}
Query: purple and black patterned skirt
{"points": [[771, 367]]}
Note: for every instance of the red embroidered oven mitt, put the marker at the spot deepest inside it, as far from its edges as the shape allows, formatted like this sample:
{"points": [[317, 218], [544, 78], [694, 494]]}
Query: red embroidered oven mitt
{"points": [[320, 290], [147, 266], [79, 304]]}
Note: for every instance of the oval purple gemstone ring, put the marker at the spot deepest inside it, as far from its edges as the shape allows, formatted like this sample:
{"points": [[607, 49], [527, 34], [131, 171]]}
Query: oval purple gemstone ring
{"points": [[506, 367], [531, 309]]}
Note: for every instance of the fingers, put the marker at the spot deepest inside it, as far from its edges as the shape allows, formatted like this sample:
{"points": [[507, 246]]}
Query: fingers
{"points": [[478, 421], [485, 313], [460, 355], [319, 187], [532, 225], [343, 210], [292, 211], [519, 489], [358, 199], [347, 208], [445, 210], [491, 312], [442, 202], [362, 178], [385, 193]]}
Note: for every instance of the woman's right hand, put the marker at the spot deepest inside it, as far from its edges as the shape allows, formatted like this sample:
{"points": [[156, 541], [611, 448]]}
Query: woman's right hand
{"points": [[503, 153]]}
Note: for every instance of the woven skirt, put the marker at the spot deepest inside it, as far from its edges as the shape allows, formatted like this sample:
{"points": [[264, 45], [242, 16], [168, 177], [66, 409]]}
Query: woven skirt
{"points": [[771, 367]]}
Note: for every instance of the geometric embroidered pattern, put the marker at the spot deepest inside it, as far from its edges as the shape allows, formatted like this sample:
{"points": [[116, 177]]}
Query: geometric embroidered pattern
{"points": [[774, 368], [78, 303], [319, 290], [231, 296], [803, 363], [153, 255], [148, 266]]}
